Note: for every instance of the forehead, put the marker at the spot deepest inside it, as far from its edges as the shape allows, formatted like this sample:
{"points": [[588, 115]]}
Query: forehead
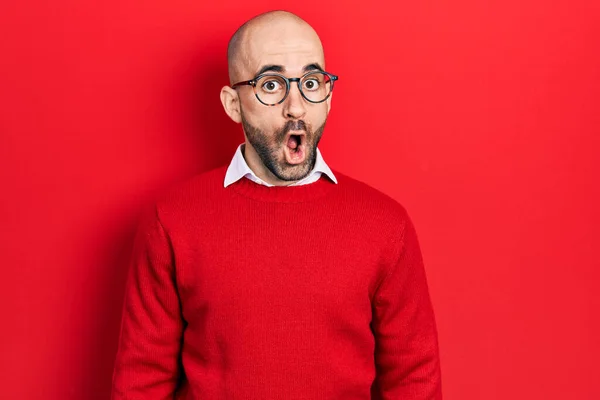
{"points": [[291, 47]]}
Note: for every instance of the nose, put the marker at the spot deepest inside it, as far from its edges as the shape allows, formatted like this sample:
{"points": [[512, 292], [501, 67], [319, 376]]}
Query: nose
{"points": [[294, 107]]}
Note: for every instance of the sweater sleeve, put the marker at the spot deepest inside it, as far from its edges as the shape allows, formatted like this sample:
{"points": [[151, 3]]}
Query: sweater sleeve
{"points": [[147, 364], [406, 350]]}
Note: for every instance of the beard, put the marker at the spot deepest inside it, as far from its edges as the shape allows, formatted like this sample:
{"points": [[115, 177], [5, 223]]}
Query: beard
{"points": [[269, 148]]}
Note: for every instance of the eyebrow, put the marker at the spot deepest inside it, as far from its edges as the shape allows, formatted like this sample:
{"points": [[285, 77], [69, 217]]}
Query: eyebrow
{"points": [[281, 68], [270, 67], [312, 67]]}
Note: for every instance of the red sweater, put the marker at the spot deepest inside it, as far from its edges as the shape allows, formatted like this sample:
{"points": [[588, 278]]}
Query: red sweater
{"points": [[252, 292]]}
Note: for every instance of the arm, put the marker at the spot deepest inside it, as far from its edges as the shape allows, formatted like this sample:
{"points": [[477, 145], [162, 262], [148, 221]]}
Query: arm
{"points": [[147, 361], [406, 351]]}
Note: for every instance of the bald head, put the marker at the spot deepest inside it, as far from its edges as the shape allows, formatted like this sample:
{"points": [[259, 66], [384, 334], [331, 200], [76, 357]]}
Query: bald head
{"points": [[270, 34]]}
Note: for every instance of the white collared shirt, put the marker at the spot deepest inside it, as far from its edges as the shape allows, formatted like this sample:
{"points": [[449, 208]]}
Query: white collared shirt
{"points": [[238, 169]]}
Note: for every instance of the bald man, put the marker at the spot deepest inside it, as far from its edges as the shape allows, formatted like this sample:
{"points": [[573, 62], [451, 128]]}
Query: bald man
{"points": [[276, 277]]}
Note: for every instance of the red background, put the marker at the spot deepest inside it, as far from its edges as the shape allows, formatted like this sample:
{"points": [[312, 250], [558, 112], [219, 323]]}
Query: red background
{"points": [[481, 117]]}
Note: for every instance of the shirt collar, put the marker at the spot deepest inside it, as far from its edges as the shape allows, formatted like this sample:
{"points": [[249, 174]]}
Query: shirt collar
{"points": [[238, 169]]}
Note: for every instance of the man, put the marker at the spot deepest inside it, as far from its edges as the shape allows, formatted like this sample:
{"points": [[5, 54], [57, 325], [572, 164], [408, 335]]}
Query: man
{"points": [[274, 278]]}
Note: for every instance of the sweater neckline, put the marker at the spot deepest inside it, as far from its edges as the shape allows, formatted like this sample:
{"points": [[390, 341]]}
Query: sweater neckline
{"points": [[284, 194]]}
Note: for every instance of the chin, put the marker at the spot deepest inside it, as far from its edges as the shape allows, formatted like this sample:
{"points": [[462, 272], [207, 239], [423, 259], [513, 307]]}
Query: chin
{"points": [[290, 173]]}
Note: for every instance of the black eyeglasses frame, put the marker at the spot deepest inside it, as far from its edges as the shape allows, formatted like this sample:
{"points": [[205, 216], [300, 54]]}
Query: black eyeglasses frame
{"points": [[252, 82]]}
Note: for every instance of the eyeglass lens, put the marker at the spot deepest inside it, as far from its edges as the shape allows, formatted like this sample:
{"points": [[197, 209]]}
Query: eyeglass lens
{"points": [[271, 89]]}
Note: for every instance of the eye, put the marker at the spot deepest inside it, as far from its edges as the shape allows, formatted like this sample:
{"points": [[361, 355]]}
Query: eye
{"points": [[271, 86], [311, 84]]}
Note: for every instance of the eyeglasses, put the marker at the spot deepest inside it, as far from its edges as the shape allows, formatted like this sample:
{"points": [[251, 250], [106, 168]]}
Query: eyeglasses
{"points": [[272, 89]]}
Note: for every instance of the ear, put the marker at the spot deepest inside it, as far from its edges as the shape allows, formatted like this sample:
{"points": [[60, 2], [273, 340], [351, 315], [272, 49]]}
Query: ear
{"points": [[231, 103], [328, 101]]}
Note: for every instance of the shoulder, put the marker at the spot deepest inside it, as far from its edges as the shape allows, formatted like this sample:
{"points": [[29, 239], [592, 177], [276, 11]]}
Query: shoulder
{"points": [[364, 197], [196, 192], [381, 217]]}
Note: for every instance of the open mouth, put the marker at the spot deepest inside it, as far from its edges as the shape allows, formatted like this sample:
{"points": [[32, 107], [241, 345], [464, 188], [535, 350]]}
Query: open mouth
{"points": [[294, 142], [295, 148]]}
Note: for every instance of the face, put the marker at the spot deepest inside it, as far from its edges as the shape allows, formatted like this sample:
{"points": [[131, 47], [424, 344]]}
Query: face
{"points": [[283, 137]]}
